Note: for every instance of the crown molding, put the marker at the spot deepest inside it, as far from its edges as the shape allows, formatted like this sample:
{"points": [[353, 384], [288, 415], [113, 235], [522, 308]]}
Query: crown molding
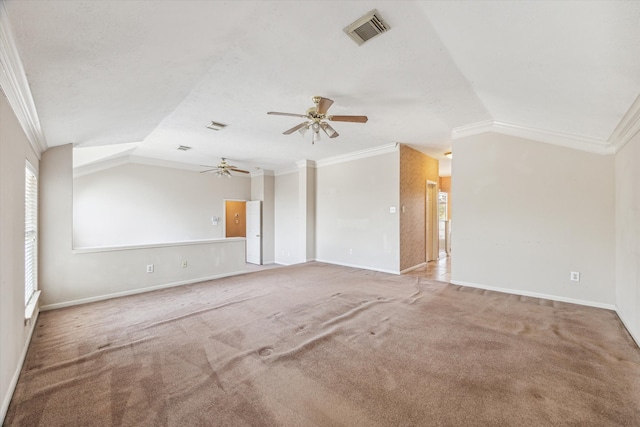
{"points": [[102, 164], [262, 172], [127, 158], [287, 171], [151, 161], [563, 139], [472, 129], [356, 155], [15, 86], [628, 127], [306, 163]]}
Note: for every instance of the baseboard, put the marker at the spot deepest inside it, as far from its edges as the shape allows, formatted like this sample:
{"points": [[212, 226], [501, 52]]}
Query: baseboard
{"points": [[136, 291], [415, 267], [536, 295], [629, 330], [364, 267], [286, 264], [16, 374]]}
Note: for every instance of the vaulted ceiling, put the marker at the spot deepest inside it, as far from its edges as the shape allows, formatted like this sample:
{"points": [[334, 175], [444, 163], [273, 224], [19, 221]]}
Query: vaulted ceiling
{"points": [[144, 77]]}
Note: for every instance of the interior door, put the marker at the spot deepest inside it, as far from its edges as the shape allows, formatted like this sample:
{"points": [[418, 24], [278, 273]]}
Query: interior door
{"points": [[254, 232]]}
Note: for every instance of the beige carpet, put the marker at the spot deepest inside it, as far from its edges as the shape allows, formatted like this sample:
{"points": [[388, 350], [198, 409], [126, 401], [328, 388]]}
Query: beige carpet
{"points": [[324, 345]]}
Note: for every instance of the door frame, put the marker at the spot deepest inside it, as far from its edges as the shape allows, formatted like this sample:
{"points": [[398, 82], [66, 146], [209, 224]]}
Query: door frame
{"points": [[431, 221]]}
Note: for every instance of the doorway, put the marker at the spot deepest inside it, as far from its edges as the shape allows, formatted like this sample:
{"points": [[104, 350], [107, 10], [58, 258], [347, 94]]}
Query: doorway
{"points": [[244, 219], [235, 219]]}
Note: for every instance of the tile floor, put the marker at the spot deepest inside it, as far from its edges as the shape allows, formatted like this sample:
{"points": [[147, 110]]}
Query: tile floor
{"points": [[436, 270]]}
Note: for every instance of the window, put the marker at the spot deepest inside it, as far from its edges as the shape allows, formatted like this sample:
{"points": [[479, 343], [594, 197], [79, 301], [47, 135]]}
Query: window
{"points": [[30, 233], [442, 206]]}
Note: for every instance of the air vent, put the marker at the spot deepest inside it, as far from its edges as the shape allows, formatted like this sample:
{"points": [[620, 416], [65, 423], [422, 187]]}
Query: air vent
{"points": [[184, 148], [216, 126], [367, 27]]}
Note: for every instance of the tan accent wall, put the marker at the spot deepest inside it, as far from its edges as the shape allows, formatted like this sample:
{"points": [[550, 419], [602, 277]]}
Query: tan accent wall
{"points": [[415, 169], [445, 186], [236, 225]]}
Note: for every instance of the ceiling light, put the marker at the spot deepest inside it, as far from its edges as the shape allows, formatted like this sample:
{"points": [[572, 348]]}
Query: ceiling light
{"points": [[331, 132], [216, 126], [448, 154], [184, 148], [223, 172], [316, 132]]}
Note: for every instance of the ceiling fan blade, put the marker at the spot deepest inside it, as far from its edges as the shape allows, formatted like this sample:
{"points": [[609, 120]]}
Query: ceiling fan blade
{"points": [[275, 113], [331, 132], [353, 119], [324, 105], [209, 170], [239, 170], [295, 128]]}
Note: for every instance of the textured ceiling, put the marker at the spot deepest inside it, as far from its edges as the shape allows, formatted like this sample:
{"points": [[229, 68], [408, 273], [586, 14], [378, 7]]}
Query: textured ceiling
{"points": [[156, 73]]}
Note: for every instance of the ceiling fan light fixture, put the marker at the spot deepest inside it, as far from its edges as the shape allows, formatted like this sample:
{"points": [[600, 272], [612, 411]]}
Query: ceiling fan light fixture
{"points": [[316, 117], [223, 172], [448, 155], [331, 132]]}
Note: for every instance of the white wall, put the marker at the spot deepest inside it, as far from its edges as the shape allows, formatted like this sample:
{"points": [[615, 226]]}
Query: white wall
{"points": [[627, 203], [286, 219], [138, 204], [529, 213], [14, 334], [68, 276], [353, 224]]}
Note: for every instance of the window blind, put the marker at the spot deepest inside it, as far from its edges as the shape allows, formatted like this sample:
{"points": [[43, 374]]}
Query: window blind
{"points": [[30, 233]]}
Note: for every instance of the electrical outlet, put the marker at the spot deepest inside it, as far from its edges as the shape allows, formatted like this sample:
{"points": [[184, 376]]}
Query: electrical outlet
{"points": [[184, 264], [149, 268], [350, 251], [575, 276]]}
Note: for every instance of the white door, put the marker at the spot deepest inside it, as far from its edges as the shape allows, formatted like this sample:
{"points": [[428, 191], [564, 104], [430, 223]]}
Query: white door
{"points": [[254, 232]]}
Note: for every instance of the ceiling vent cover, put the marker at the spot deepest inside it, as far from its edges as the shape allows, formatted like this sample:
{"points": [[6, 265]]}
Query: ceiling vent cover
{"points": [[216, 126], [367, 27]]}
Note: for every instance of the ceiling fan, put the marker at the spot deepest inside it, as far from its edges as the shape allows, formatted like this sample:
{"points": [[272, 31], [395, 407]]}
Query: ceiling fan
{"points": [[224, 169], [316, 119]]}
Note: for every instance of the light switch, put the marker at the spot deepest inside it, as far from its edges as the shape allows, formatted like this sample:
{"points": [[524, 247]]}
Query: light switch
{"points": [[392, 209]]}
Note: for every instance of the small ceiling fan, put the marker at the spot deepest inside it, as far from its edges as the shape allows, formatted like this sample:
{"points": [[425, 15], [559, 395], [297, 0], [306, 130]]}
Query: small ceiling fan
{"points": [[225, 169], [316, 119]]}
